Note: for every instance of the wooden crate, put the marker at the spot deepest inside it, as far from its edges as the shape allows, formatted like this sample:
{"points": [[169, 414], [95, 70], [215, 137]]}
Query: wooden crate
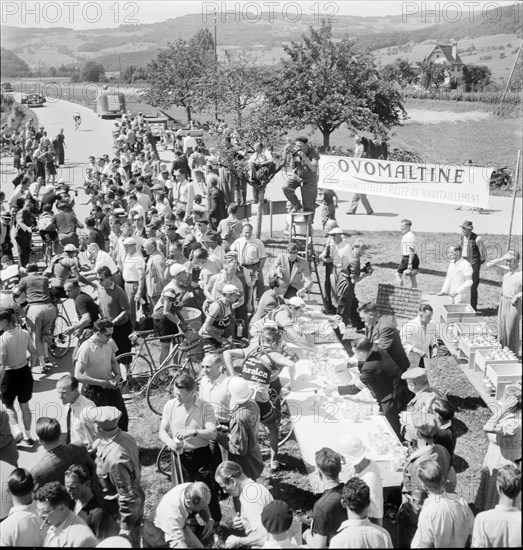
{"points": [[503, 374]]}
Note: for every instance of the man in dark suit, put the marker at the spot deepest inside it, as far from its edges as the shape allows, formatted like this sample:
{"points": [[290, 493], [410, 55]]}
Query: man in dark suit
{"points": [[382, 376], [382, 332]]}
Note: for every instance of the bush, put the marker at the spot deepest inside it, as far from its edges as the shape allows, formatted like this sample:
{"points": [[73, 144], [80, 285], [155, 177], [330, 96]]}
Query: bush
{"points": [[403, 155]]}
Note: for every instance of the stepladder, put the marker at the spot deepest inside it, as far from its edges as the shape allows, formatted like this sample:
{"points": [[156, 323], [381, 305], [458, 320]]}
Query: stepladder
{"points": [[301, 233]]}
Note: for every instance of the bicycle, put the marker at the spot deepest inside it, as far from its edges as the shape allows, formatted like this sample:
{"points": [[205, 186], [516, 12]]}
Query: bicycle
{"points": [[160, 387], [77, 122], [61, 342], [49, 250]]}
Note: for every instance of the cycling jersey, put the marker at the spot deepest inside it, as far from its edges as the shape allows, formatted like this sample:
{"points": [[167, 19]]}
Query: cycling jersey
{"points": [[221, 314], [63, 269]]}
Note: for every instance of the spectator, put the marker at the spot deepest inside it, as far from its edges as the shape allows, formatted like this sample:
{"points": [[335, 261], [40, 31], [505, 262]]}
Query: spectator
{"points": [[445, 520], [87, 312], [277, 519], [231, 227], [409, 264], [413, 493], [244, 427], [168, 526], [118, 468], [422, 402], [99, 258], [509, 311], [215, 201], [359, 152], [235, 483], [99, 372], [354, 452], [329, 203], [188, 426], [445, 436], [328, 512], [501, 526], [16, 379], [57, 457], [79, 425], [25, 221], [271, 298], [65, 528], [154, 272], [294, 271], [95, 235], [87, 505], [115, 307], [382, 332], [458, 281], [504, 429], [419, 338], [23, 526], [474, 252], [133, 272], [357, 531]]}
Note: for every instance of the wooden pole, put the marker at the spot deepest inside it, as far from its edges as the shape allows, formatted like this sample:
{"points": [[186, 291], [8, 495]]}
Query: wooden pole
{"points": [[511, 73], [516, 186]]}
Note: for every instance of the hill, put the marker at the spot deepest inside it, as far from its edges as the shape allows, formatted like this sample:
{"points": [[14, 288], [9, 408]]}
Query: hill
{"points": [[118, 47], [12, 65]]}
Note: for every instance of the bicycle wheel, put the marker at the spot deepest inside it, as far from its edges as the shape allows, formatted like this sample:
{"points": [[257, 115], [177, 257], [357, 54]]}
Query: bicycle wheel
{"points": [[61, 342], [285, 429], [164, 461], [136, 373], [160, 388]]}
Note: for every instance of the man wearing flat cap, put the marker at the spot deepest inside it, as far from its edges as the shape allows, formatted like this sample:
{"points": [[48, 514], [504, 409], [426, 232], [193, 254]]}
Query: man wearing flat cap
{"points": [[277, 520], [423, 400], [294, 271], [475, 252], [118, 467]]}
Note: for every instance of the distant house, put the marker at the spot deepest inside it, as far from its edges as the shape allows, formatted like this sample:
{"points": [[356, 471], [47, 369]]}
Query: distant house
{"points": [[440, 53]]}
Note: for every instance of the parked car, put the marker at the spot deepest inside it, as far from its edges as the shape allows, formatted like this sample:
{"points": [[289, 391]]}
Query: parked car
{"points": [[7, 87], [33, 100]]}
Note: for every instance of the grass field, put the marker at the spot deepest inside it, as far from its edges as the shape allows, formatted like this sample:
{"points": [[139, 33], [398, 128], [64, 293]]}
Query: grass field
{"points": [[291, 482]]}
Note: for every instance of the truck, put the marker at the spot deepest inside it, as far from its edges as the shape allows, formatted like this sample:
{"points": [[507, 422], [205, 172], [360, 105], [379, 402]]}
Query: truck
{"points": [[110, 104]]}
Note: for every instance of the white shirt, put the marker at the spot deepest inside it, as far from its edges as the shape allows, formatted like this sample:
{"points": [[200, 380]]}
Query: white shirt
{"points": [[189, 141], [408, 244], [445, 521], [416, 335], [259, 158], [171, 515], [138, 209], [249, 251], [22, 527], [82, 425], [133, 267], [217, 395], [104, 259], [71, 533], [361, 533], [459, 281], [496, 528], [371, 475], [253, 499]]}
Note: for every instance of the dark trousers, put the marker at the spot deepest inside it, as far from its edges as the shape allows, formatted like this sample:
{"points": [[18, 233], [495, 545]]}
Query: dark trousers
{"points": [[475, 283], [198, 465], [328, 288], [290, 292], [23, 240], [105, 397], [309, 193], [406, 523], [347, 302], [121, 337]]}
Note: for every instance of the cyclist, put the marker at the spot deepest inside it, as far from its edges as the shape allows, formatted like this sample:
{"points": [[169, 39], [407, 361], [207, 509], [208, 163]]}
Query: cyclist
{"points": [[264, 359], [167, 317], [62, 267], [77, 120], [218, 316]]}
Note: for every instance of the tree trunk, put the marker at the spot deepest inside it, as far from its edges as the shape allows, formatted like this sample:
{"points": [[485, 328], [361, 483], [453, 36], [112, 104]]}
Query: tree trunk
{"points": [[259, 214], [326, 137], [188, 111]]}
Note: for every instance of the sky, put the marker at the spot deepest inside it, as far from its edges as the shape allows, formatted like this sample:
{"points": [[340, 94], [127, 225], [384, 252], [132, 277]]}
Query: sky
{"points": [[88, 14]]}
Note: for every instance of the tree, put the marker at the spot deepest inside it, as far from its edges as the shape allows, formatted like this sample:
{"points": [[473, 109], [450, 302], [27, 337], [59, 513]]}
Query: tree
{"points": [[401, 71], [476, 77], [432, 74], [92, 72], [326, 83], [177, 75], [236, 84]]}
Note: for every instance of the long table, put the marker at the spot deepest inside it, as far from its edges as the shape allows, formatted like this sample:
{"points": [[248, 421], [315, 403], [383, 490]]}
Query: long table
{"points": [[320, 420]]}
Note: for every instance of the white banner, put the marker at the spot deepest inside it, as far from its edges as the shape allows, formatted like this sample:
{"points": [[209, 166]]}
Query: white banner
{"points": [[459, 185]]}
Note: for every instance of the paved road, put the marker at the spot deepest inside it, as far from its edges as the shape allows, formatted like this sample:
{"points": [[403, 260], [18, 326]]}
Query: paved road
{"points": [[94, 138]]}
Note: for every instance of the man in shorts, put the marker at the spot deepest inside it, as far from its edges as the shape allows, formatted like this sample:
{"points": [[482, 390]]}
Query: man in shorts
{"points": [[409, 265], [15, 373]]}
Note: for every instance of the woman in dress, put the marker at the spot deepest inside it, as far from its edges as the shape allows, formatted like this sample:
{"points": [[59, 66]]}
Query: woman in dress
{"points": [[504, 434], [509, 311]]}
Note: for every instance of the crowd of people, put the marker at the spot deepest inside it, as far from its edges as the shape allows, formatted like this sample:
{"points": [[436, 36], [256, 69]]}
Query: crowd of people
{"points": [[162, 239]]}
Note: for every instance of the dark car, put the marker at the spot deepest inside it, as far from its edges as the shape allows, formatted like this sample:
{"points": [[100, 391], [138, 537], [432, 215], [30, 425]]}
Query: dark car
{"points": [[33, 100], [7, 87]]}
